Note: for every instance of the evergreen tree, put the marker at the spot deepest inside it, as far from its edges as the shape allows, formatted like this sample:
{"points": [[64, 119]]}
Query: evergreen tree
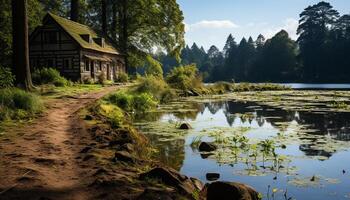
{"points": [[229, 43], [314, 31]]}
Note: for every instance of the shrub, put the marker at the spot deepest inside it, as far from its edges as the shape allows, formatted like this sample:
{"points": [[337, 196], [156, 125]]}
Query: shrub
{"points": [[6, 77], [122, 77], [113, 113], [121, 99], [184, 77], [153, 67], [133, 102], [49, 76], [18, 104], [155, 86], [101, 78], [143, 102]]}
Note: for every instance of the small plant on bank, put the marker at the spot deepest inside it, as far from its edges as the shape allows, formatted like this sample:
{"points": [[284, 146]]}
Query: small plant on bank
{"points": [[6, 78], [122, 77]]}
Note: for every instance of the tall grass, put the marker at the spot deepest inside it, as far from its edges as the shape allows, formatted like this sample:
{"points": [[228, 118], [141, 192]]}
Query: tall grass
{"points": [[18, 104], [49, 76]]}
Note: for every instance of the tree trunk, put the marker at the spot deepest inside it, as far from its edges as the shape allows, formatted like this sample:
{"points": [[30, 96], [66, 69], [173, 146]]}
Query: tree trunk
{"points": [[114, 22], [104, 16], [74, 10], [123, 33], [21, 67]]}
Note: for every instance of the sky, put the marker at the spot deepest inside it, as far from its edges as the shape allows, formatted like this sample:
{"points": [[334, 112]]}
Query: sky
{"points": [[209, 22]]}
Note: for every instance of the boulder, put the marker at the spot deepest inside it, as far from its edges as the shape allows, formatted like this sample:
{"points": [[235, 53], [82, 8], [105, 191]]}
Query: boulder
{"points": [[171, 177], [185, 126], [123, 156], [212, 176], [89, 117], [229, 191], [207, 147]]}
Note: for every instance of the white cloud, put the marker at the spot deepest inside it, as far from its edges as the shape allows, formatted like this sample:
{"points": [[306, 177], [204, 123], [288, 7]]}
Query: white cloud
{"points": [[290, 25], [211, 24]]}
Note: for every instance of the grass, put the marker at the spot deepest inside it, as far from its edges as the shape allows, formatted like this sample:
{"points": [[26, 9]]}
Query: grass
{"points": [[18, 104]]}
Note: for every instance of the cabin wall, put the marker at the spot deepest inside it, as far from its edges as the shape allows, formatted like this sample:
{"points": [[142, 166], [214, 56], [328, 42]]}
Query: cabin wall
{"points": [[94, 63], [52, 47]]}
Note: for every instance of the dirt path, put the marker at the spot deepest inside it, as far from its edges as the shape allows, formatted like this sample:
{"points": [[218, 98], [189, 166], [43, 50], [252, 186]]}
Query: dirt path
{"points": [[42, 162]]}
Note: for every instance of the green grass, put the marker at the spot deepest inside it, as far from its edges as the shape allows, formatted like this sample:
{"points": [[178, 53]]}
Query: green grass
{"points": [[18, 104]]}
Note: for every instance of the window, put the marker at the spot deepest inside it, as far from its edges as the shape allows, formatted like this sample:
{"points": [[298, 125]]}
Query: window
{"points": [[67, 63], [50, 63], [50, 37], [87, 67], [100, 66]]}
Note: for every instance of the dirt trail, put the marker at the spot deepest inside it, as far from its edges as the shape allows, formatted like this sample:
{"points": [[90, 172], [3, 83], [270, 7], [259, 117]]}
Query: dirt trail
{"points": [[42, 162]]}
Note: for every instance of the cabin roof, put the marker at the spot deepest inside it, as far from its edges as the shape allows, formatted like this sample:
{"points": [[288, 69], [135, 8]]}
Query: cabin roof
{"points": [[76, 30]]}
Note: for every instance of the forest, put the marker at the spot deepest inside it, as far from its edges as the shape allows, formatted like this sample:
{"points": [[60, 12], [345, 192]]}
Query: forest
{"points": [[320, 54]]}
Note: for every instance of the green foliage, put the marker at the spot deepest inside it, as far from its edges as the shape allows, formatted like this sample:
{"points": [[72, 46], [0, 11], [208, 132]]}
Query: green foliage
{"points": [[144, 102], [122, 99], [101, 78], [134, 102], [153, 67], [113, 113], [122, 77], [6, 78], [18, 104], [184, 77], [155, 86], [49, 76]]}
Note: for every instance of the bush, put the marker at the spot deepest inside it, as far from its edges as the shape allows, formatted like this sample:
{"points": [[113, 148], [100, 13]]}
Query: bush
{"points": [[18, 104], [121, 99], [143, 102], [122, 77], [6, 78], [184, 78], [133, 102], [157, 87], [49, 76], [113, 113], [101, 78]]}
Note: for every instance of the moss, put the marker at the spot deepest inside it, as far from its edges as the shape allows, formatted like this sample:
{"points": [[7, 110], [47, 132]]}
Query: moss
{"points": [[75, 30]]}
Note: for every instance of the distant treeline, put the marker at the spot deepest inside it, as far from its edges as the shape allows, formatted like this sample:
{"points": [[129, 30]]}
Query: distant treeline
{"points": [[321, 53]]}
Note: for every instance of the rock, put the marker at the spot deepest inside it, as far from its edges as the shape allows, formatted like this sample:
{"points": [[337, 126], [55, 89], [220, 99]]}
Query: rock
{"points": [[229, 191], [86, 150], [124, 156], [185, 126], [171, 177], [157, 194], [207, 147], [88, 117], [212, 176]]}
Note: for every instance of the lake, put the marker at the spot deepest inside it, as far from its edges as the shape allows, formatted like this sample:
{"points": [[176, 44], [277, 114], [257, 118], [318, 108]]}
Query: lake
{"points": [[309, 158]]}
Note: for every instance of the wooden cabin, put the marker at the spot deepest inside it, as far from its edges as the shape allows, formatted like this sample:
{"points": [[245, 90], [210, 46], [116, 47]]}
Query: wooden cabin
{"points": [[75, 50]]}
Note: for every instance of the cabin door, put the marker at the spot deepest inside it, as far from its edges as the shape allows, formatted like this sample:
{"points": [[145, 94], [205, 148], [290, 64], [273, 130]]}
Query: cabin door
{"points": [[92, 66]]}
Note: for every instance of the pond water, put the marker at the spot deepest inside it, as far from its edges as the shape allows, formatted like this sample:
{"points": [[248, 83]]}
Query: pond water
{"points": [[309, 158], [317, 86]]}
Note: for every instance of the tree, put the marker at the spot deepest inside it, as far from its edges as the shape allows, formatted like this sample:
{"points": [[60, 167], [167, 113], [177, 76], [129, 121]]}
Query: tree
{"points": [[21, 68], [260, 42], [74, 11], [278, 60], [230, 41], [314, 31], [146, 24], [104, 16]]}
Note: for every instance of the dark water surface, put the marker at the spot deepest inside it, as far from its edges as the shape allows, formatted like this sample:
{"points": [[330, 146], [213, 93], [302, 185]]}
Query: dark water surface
{"points": [[319, 158]]}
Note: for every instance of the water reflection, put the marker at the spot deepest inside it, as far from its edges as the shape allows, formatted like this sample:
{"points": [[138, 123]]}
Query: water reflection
{"points": [[334, 125], [266, 122]]}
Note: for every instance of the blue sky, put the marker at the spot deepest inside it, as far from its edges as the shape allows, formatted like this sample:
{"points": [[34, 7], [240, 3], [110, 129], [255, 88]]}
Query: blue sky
{"points": [[209, 22]]}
